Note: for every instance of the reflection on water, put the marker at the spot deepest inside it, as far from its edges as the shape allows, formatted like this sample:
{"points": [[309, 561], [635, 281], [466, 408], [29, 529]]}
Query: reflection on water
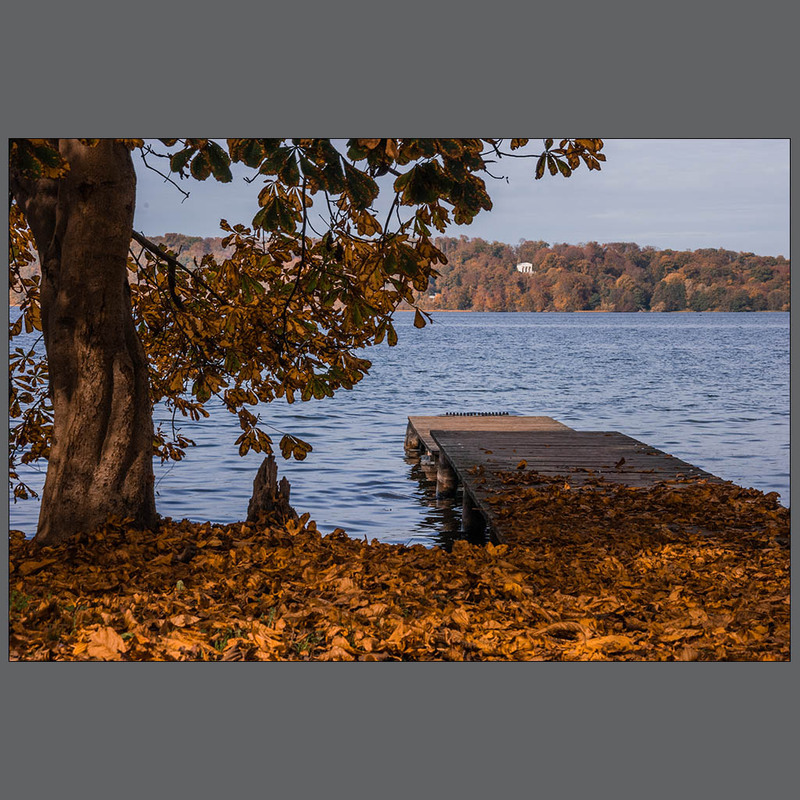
{"points": [[712, 389], [443, 515]]}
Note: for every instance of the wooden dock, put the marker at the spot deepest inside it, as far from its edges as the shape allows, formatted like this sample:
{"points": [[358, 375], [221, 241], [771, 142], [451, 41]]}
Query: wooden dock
{"points": [[471, 451]]}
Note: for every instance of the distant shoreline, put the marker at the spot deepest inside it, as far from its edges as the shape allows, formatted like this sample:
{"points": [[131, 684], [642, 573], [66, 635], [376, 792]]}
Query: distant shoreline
{"points": [[583, 311], [577, 311]]}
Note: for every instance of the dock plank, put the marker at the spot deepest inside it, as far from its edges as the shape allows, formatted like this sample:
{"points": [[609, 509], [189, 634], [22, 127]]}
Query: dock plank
{"points": [[509, 423]]}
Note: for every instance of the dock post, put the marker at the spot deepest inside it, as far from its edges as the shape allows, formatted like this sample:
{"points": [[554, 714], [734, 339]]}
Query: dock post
{"points": [[412, 439], [472, 521], [446, 480]]}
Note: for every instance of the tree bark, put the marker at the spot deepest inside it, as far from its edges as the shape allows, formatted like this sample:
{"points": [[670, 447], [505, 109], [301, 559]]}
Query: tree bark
{"points": [[269, 496], [100, 462]]}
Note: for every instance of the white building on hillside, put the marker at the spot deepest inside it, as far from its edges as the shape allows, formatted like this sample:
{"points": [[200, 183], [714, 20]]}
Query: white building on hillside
{"points": [[525, 266]]}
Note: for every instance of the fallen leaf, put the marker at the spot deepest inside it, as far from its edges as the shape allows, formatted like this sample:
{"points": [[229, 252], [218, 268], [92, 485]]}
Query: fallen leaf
{"points": [[106, 644], [29, 567], [610, 643], [182, 620]]}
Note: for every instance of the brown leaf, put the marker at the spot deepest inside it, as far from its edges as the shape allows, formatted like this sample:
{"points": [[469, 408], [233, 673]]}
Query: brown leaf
{"points": [[688, 654], [556, 628], [397, 635], [460, 618], [339, 654], [29, 567], [106, 644], [612, 643], [182, 620], [681, 633]]}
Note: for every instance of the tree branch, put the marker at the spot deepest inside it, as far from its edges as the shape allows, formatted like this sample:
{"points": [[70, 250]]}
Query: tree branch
{"points": [[174, 264], [166, 178]]}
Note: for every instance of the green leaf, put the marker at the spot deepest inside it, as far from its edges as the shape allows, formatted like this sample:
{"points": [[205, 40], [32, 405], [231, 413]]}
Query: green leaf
{"points": [[425, 184], [252, 153], [267, 218], [180, 159], [286, 216], [219, 163], [310, 170], [290, 172], [200, 166], [402, 180], [200, 390], [563, 168], [361, 189], [355, 151]]}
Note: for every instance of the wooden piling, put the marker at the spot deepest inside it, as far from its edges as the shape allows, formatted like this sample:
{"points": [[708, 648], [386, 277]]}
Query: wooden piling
{"points": [[446, 479], [412, 439], [473, 523]]}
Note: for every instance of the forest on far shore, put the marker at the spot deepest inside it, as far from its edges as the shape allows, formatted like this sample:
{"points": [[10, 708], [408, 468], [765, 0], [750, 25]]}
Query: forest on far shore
{"points": [[621, 276]]}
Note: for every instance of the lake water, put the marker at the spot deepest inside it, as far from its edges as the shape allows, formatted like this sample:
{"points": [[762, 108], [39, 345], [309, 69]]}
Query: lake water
{"points": [[712, 389]]}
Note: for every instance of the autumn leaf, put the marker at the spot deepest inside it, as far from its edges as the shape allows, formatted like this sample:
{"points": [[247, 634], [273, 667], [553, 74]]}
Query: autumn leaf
{"points": [[603, 572], [106, 644], [460, 618], [336, 654], [30, 567], [611, 643], [182, 620]]}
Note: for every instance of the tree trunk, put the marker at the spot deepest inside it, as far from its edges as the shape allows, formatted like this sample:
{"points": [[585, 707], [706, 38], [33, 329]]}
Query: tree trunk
{"points": [[100, 460], [269, 496]]}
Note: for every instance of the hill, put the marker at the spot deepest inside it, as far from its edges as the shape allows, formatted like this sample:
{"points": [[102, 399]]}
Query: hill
{"points": [[621, 276]]}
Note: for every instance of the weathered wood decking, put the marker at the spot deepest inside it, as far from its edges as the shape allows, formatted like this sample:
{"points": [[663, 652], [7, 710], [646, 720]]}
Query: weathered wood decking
{"points": [[474, 458], [470, 450], [418, 432], [581, 454]]}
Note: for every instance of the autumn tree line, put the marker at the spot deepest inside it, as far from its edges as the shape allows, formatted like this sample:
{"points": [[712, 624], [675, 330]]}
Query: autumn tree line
{"points": [[622, 276]]}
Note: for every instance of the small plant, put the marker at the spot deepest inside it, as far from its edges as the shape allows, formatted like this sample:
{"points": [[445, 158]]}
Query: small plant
{"points": [[269, 617], [17, 601], [307, 643], [224, 638]]}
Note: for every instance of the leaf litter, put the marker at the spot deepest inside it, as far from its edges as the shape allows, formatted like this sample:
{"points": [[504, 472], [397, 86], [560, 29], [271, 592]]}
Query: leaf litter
{"points": [[694, 572]]}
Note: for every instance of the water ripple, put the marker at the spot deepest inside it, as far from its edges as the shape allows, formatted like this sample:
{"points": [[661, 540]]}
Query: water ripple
{"points": [[711, 389]]}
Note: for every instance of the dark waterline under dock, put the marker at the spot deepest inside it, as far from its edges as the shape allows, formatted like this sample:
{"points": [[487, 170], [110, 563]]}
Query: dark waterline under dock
{"points": [[471, 450]]}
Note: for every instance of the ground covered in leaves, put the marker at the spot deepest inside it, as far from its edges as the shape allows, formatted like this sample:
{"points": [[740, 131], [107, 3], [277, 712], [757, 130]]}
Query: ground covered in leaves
{"points": [[596, 573]]}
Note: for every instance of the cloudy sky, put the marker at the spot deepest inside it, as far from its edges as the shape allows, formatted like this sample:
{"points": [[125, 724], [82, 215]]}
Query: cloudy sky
{"points": [[682, 194]]}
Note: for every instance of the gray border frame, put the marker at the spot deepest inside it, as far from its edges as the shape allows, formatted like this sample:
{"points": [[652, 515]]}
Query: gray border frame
{"points": [[634, 730]]}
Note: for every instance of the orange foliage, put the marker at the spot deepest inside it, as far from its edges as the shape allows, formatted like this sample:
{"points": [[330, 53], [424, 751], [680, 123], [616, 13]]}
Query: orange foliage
{"points": [[608, 573], [619, 276]]}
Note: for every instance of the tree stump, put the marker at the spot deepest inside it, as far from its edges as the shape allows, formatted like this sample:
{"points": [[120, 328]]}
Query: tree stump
{"points": [[269, 497]]}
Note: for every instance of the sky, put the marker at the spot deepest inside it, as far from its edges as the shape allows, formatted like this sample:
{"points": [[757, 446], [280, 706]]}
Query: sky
{"points": [[682, 194]]}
